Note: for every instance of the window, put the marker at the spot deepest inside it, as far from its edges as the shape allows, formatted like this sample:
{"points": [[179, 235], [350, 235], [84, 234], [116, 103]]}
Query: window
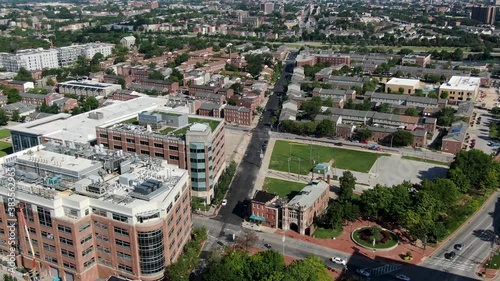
{"points": [[99, 212], [63, 228], [169, 207], [66, 241], [124, 256], [32, 230], [171, 147], [49, 247], [86, 239], [47, 235], [88, 251], [198, 170], [104, 261], [67, 253], [100, 225], [28, 212], [177, 196], [103, 136], [144, 152], [103, 249], [130, 140], [69, 265], [193, 150], [119, 217], [122, 243], [170, 233], [89, 263], [144, 142], [50, 259], [130, 149], [160, 155], [117, 146], [117, 138], [125, 268], [84, 226], [159, 145], [44, 216], [102, 237], [173, 157], [121, 231]]}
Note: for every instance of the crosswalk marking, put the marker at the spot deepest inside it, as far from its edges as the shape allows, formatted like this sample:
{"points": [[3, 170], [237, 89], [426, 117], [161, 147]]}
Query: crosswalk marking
{"points": [[457, 265]]}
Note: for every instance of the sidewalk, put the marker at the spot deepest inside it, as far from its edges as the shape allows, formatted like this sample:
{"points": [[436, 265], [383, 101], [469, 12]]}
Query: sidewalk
{"points": [[344, 244]]}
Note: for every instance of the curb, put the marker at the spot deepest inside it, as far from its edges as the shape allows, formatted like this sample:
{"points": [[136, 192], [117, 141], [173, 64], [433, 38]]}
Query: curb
{"points": [[455, 233], [370, 248]]}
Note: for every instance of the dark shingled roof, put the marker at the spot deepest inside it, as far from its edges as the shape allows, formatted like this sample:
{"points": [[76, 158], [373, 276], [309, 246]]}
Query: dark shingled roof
{"points": [[263, 196]]}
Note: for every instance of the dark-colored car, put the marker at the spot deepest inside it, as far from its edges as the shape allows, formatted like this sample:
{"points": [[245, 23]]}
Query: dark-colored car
{"points": [[459, 247], [268, 246], [450, 255]]}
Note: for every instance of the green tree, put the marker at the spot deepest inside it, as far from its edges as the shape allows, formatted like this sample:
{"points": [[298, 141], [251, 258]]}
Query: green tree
{"points": [[401, 91], [181, 58], [444, 95], [419, 93], [446, 116], [334, 215], [15, 115], [156, 75], [400, 202], [325, 128], [90, 103], [265, 263], [310, 269], [444, 189], [364, 134], [460, 179], [122, 82], [347, 185], [4, 118], [376, 201], [50, 82], [402, 138], [312, 107], [410, 111], [237, 87], [384, 108], [495, 110], [23, 75]]}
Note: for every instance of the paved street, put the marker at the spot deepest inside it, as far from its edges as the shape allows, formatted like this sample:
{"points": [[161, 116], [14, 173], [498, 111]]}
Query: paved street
{"points": [[244, 179], [477, 238]]}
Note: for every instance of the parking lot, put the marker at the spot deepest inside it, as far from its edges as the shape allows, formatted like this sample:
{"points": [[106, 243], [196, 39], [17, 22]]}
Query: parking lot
{"points": [[479, 131]]}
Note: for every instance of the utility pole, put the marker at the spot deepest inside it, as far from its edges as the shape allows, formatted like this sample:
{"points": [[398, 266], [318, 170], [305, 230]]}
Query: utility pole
{"points": [[290, 146], [289, 158], [298, 172]]}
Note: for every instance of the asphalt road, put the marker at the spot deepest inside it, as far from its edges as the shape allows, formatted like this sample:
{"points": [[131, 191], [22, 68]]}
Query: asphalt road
{"points": [[477, 237], [248, 169]]}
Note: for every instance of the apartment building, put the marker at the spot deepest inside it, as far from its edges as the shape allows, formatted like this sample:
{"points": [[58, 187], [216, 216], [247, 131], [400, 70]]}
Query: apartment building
{"points": [[30, 59], [237, 115], [195, 144], [68, 55], [307, 58], [92, 213], [484, 14], [384, 135], [88, 88], [421, 60], [267, 8], [406, 100], [461, 88]]}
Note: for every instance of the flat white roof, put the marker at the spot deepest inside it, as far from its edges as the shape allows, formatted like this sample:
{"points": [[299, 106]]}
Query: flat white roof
{"points": [[463, 83], [82, 129], [403, 82]]}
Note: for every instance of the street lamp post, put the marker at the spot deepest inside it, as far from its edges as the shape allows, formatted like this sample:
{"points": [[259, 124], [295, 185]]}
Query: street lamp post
{"points": [[298, 172]]}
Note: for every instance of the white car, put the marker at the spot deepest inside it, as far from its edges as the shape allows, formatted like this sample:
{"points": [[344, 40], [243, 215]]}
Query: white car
{"points": [[363, 272], [403, 277], [339, 261], [224, 202]]}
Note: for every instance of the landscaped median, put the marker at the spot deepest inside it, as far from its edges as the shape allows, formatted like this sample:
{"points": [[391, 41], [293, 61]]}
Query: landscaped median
{"points": [[374, 237]]}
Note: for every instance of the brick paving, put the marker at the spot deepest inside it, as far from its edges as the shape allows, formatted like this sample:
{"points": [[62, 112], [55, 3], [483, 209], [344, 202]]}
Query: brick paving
{"points": [[344, 243]]}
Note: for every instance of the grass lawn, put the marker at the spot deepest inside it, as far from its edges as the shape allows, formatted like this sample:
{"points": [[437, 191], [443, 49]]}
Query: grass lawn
{"points": [[327, 233], [181, 131], [4, 133], [426, 160], [494, 263], [283, 188], [166, 130], [353, 160], [5, 148], [385, 245]]}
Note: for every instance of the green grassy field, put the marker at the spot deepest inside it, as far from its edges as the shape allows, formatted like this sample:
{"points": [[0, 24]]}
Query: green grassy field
{"points": [[327, 233], [353, 160], [494, 263], [5, 148], [385, 245], [4, 133], [283, 188]]}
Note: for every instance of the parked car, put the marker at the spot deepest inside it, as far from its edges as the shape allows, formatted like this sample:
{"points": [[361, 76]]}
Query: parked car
{"points": [[267, 246], [224, 202], [493, 144], [450, 255], [403, 277], [364, 142], [364, 272], [339, 260]]}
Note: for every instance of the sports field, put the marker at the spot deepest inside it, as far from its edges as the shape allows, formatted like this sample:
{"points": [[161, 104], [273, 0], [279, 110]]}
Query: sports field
{"points": [[309, 155]]}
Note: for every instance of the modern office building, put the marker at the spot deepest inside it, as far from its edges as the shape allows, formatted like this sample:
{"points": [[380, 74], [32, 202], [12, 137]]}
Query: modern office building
{"points": [[30, 59], [191, 143], [88, 88], [92, 213], [68, 55], [484, 14], [461, 88]]}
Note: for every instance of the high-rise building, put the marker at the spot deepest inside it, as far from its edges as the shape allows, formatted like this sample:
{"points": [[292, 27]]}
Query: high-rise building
{"points": [[484, 14], [90, 213], [192, 143], [68, 55], [267, 8]]}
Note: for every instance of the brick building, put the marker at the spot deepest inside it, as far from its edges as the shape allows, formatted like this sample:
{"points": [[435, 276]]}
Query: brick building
{"points": [[167, 86], [194, 89], [264, 209], [454, 141], [237, 115]]}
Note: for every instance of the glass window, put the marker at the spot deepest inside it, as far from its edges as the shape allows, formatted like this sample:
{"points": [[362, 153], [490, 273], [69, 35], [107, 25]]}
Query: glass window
{"points": [[151, 251]]}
